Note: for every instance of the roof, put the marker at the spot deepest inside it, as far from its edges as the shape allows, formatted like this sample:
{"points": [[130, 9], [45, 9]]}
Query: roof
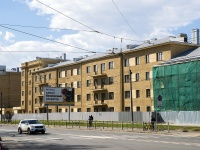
{"points": [[133, 48], [189, 55]]}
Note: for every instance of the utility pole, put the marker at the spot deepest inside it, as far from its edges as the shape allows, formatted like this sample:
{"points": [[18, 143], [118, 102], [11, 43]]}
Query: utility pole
{"points": [[131, 97], [1, 106]]}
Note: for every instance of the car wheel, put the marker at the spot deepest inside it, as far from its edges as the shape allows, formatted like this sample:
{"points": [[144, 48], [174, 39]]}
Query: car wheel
{"points": [[43, 132], [29, 131], [19, 130]]}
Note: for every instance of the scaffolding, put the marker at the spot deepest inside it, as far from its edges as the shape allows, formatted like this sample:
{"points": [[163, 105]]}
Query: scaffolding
{"points": [[177, 86]]}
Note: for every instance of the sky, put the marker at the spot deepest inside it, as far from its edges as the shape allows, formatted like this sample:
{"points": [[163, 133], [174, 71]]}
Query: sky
{"points": [[49, 28]]}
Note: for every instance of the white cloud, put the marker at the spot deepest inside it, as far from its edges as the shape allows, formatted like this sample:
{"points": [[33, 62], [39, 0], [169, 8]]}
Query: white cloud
{"points": [[1, 33], [148, 18], [145, 16], [8, 36]]}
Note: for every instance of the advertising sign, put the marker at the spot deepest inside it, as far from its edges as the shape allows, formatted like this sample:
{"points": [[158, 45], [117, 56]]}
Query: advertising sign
{"points": [[52, 94]]}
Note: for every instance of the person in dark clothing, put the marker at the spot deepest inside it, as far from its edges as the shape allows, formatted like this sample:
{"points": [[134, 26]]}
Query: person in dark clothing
{"points": [[153, 120], [90, 120]]}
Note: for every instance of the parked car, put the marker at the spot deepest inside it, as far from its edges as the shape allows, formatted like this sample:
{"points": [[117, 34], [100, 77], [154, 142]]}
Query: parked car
{"points": [[31, 126]]}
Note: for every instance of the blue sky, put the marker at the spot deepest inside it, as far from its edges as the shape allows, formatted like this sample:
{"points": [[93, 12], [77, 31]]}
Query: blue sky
{"points": [[148, 19]]}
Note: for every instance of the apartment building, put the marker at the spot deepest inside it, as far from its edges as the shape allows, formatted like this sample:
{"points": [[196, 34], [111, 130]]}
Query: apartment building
{"points": [[29, 82], [118, 81], [10, 88]]}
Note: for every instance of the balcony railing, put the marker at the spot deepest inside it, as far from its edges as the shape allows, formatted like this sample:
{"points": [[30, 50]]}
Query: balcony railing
{"points": [[99, 102], [99, 88]]}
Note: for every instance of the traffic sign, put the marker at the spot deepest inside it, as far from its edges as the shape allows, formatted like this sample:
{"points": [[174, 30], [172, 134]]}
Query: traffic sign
{"points": [[159, 102]]}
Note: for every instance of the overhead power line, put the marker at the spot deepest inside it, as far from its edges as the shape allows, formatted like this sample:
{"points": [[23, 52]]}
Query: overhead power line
{"points": [[93, 30], [49, 39], [125, 19]]}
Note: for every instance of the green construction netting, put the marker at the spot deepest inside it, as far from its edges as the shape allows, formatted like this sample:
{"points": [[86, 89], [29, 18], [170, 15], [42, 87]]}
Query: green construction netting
{"points": [[178, 86]]}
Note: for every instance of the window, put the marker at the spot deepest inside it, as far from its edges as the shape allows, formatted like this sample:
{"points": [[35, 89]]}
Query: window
{"points": [[72, 84], [127, 108], [103, 96], [36, 101], [45, 77], [22, 73], [127, 78], [36, 111], [103, 81], [66, 73], [88, 69], [60, 74], [36, 78], [111, 109], [111, 95], [50, 110], [137, 93], [72, 72], [66, 109], [147, 76], [29, 102], [36, 89], [103, 66], [79, 71], [110, 80], [88, 97], [78, 84], [127, 94], [96, 96], [138, 108], [29, 92], [95, 68], [137, 77], [103, 109], [126, 62], [29, 82], [60, 110], [95, 82], [78, 98], [79, 109], [88, 109], [111, 65], [148, 94], [22, 93], [147, 59], [159, 56], [29, 72], [137, 60], [88, 83], [50, 76], [22, 103], [22, 83], [148, 108]]}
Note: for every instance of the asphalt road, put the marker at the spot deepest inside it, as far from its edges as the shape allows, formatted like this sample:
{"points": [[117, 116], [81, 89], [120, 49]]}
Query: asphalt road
{"points": [[71, 139]]}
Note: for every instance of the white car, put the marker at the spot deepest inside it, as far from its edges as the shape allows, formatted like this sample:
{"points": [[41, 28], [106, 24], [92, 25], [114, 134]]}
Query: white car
{"points": [[30, 126]]}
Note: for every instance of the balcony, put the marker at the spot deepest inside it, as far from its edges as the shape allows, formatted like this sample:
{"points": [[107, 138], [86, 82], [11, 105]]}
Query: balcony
{"points": [[98, 74], [42, 82], [41, 94], [99, 103], [98, 88]]}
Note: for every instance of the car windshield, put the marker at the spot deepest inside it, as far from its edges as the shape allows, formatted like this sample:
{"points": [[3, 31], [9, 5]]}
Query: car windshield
{"points": [[33, 122]]}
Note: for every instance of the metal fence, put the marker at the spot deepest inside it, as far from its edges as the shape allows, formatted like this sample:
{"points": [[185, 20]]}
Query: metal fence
{"points": [[173, 117]]}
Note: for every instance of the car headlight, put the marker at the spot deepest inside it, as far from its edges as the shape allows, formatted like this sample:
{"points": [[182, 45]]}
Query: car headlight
{"points": [[32, 127]]}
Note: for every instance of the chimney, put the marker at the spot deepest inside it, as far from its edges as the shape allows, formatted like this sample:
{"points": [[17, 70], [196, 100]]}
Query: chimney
{"points": [[195, 36], [184, 36], [64, 56]]}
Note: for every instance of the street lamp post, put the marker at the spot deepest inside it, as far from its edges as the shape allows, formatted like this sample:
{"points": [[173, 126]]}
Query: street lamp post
{"points": [[131, 97], [1, 106]]}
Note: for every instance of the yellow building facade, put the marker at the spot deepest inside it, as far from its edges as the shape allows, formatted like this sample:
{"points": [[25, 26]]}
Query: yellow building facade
{"points": [[117, 82]]}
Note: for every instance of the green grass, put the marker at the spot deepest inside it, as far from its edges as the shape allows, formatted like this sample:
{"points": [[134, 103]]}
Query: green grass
{"points": [[108, 124]]}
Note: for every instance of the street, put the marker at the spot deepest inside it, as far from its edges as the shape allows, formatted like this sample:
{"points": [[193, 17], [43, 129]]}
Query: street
{"points": [[61, 138]]}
